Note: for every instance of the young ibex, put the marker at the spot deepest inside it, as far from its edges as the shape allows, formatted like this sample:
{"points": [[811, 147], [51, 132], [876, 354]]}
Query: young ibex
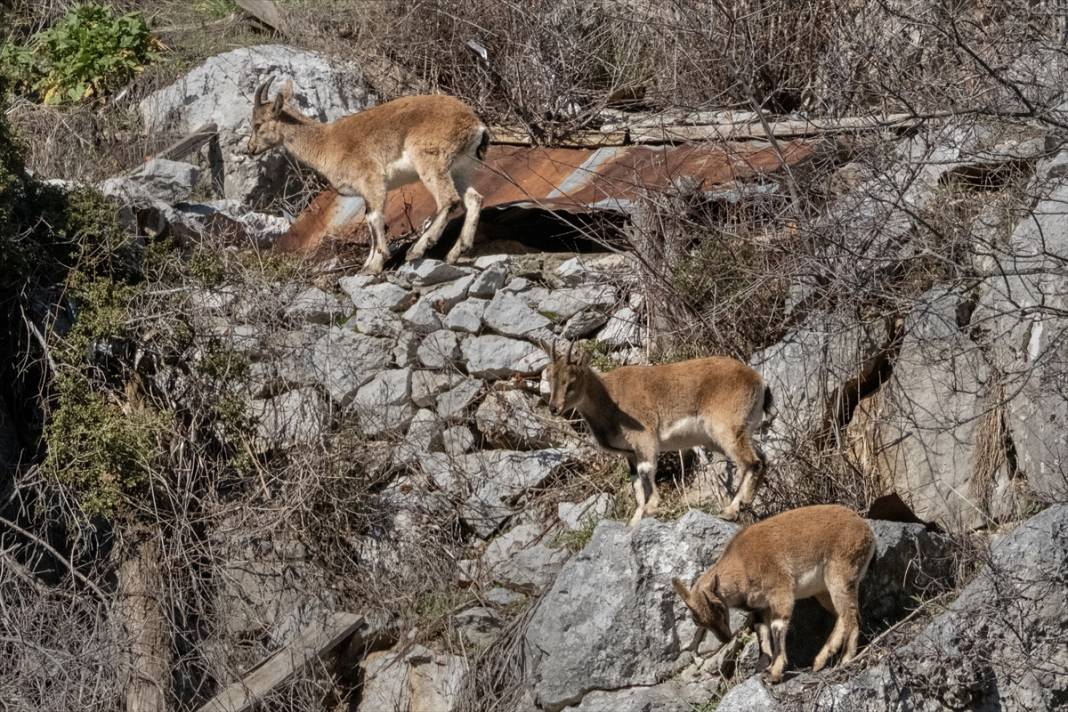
{"points": [[641, 410], [434, 139], [820, 551]]}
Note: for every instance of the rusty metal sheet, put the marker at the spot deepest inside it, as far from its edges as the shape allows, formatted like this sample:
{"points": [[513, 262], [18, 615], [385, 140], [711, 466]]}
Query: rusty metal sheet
{"points": [[574, 179]]}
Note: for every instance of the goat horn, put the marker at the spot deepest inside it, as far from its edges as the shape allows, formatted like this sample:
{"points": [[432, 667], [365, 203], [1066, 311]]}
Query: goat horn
{"points": [[570, 346], [261, 93]]}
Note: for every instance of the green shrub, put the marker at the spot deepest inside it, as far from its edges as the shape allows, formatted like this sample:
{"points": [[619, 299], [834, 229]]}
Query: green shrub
{"points": [[102, 452], [86, 55]]}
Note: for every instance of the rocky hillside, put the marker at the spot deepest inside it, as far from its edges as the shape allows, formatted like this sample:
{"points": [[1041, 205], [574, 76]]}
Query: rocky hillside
{"points": [[235, 476]]}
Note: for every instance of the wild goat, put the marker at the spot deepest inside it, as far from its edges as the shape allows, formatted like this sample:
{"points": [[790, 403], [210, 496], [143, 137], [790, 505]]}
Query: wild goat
{"points": [[434, 139], [820, 551], [641, 410]]}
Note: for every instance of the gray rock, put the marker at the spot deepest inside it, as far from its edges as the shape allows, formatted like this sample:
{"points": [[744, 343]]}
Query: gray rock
{"points": [[315, 306], [457, 440], [422, 438], [427, 272], [244, 339], [583, 324], [382, 295], [623, 329], [479, 626], [492, 356], [808, 370], [487, 282], [439, 349], [343, 361], [578, 515], [417, 679], [491, 481], [220, 91], [167, 181], [455, 402], [750, 696], [422, 318], [910, 563], [510, 418], [510, 316], [523, 560], [406, 351], [1024, 305], [562, 304], [487, 261], [448, 295], [426, 385], [466, 316], [383, 405], [289, 420], [376, 322], [502, 597], [518, 285], [928, 427], [612, 620]]}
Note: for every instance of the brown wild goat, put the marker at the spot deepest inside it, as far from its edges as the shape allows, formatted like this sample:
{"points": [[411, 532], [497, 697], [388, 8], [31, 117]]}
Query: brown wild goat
{"points": [[640, 411], [434, 139], [820, 551]]}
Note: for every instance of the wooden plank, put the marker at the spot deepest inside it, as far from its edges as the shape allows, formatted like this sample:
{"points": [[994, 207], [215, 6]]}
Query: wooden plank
{"points": [[794, 128], [183, 147], [313, 643], [267, 12]]}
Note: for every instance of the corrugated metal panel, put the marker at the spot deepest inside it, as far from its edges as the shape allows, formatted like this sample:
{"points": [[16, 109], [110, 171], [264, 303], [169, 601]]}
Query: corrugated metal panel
{"points": [[609, 178]]}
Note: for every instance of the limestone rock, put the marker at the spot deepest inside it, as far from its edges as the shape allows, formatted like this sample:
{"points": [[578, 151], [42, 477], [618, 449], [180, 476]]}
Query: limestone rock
{"points": [[220, 91], [492, 356]]}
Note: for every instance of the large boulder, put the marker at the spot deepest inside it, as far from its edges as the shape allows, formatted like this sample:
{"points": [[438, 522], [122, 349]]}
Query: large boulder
{"points": [[1024, 309], [611, 619], [935, 425], [415, 679], [220, 91]]}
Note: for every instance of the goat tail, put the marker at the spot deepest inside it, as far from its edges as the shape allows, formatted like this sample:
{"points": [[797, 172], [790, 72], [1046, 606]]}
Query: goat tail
{"points": [[483, 144], [769, 408]]}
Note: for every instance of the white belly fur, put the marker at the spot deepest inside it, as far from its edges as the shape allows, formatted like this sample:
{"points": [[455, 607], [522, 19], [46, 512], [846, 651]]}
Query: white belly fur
{"points": [[683, 434], [809, 583], [400, 172]]}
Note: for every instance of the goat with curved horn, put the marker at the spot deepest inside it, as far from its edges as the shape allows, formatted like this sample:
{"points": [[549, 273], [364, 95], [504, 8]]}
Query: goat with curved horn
{"points": [[437, 140]]}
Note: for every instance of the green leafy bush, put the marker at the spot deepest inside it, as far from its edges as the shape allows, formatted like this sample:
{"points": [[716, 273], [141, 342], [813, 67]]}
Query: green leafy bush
{"points": [[87, 54]]}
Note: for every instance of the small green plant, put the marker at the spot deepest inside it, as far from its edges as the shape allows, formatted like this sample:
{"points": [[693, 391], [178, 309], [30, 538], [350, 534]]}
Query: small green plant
{"points": [[90, 52], [215, 8], [95, 447], [577, 539], [600, 357]]}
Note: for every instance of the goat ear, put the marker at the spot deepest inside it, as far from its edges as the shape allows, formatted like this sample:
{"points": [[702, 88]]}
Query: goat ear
{"points": [[287, 90], [277, 106], [581, 357], [715, 585], [681, 589]]}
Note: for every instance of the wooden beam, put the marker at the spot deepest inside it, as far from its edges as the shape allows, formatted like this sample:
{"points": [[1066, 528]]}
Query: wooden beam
{"points": [[184, 146], [647, 133], [312, 644]]}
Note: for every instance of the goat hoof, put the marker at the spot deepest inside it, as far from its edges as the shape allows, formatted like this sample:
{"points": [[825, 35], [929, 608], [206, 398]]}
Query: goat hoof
{"points": [[452, 257], [729, 514], [763, 662], [413, 255], [374, 264]]}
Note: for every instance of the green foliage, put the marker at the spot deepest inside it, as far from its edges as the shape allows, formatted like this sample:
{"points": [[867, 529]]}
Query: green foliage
{"points": [[215, 8], [90, 52], [102, 452], [577, 539], [600, 356]]}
